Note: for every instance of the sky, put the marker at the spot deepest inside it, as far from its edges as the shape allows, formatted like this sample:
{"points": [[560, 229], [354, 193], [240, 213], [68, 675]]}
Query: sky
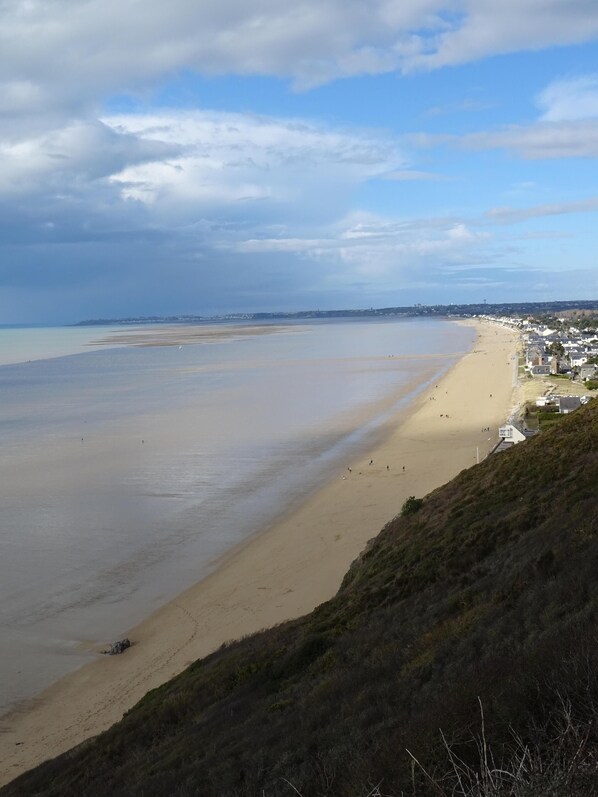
{"points": [[230, 156]]}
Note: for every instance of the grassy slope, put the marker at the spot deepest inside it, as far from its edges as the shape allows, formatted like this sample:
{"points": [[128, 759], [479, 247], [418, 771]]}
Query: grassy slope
{"points": [[489, 590]]}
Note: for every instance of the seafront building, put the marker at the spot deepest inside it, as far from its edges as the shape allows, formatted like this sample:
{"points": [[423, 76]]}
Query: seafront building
{"points": [[566, 352]]}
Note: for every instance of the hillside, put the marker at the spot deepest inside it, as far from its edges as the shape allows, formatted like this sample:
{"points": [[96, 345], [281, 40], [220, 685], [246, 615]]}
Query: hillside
{"points": [[485, 595]]}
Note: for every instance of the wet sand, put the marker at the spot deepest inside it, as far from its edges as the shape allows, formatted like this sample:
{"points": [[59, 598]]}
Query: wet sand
{"points": [[187, 334], [292, 566]]}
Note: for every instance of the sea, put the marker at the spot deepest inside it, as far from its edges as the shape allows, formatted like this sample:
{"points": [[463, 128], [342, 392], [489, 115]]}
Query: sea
{"points": [[126, 472]]}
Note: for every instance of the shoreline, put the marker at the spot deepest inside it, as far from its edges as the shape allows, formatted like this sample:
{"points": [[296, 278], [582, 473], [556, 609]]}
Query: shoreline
{"points": [[288, 568]]}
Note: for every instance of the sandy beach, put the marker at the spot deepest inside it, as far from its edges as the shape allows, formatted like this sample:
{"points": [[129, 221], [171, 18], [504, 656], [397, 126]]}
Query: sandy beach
{"points": [[289, 568]]}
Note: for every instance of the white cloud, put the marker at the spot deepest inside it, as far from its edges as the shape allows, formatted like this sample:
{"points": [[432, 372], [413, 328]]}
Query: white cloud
{"points": [[183, 164], [411, 174], [536, 141], [296, 167], [481, 28], [198, 179], [514, 215], [120, 45], [460, 232], [570, 99], [66, 55], [541, 140], [365, 246], [567, 127]]}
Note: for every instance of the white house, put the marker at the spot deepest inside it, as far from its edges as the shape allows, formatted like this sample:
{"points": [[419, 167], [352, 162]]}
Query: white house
{"points": [[545, 401], [577, 358], [511, 434]]}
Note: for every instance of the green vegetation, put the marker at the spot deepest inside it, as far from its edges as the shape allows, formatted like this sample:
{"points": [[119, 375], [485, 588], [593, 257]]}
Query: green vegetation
{"points": [[486, 596], [586, 320], [546, 420], [411, 505], [542, 418]]}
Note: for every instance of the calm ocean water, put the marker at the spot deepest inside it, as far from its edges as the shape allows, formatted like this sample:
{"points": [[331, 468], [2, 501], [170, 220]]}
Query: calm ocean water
{"points": [[126, 472]]}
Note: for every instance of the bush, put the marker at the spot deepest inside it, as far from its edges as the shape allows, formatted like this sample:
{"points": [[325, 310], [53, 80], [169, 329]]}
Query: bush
{"points": [[411, 505]]}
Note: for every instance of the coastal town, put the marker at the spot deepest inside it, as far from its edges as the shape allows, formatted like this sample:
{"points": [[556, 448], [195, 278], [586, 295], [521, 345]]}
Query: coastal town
{"points": [[557, 369]]}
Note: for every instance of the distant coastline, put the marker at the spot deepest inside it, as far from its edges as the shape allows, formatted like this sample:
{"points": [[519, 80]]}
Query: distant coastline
{"points": [[410, 311]]}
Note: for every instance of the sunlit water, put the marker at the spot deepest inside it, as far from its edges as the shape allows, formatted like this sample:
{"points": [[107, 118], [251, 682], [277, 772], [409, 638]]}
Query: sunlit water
{"points": [[125, 473]]}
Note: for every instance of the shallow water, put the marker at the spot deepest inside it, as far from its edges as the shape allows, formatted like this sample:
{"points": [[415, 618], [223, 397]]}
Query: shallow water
{"points": [[125, 473], [24, 344]]}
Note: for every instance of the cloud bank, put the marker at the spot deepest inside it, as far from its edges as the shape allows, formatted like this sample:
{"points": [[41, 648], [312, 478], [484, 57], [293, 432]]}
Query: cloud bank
{"points": [[61, 55], [135, 211]]}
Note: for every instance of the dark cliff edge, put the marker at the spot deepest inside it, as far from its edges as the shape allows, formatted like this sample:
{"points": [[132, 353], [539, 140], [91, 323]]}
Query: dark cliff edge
{"points": [[460, 656]]}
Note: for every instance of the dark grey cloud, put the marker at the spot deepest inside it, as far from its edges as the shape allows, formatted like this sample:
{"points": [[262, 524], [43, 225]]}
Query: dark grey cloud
{"points": [[107, 210], [164, 211]]}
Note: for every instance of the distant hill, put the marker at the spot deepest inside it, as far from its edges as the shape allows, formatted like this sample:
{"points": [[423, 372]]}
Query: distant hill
{"points": [[475, 613], [407, 311]]}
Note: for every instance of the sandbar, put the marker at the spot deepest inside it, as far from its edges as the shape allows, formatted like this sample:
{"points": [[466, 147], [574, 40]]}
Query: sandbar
{"points": [[187, 334]]}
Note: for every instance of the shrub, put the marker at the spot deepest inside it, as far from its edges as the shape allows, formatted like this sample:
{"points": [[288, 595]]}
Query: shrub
{"points": [[411, 505]]}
